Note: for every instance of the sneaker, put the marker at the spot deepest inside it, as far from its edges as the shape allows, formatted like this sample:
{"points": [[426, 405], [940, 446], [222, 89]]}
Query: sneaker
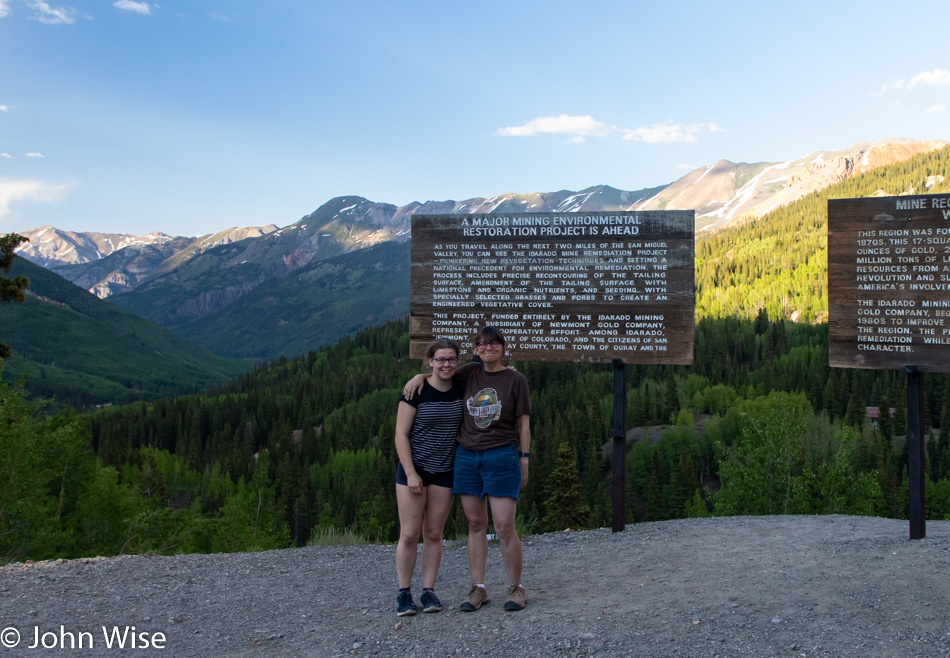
{"points": [[516, 598], [405, 606], [477, 597], [430, 602]]}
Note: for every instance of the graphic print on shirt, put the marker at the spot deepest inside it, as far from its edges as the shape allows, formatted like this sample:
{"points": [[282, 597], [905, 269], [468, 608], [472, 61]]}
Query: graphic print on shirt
{"points": [[484, 407]]}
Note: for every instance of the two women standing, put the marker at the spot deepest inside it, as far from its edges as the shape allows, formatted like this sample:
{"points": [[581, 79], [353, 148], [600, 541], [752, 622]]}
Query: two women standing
{"points": [[490, 468]]}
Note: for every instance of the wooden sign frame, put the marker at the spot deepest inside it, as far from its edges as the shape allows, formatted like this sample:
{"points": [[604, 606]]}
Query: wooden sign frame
{"points": [[889, 283], [578, 287]]}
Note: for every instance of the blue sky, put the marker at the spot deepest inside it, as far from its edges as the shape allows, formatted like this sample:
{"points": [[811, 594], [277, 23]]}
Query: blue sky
{"points": [[189, 117]]}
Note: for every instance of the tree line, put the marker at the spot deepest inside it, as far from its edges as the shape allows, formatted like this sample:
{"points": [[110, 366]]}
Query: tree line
{"points": [[301, 449]]}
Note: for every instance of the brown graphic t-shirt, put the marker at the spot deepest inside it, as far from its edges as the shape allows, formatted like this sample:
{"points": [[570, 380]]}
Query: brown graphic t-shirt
{"points": [[493, 402]]}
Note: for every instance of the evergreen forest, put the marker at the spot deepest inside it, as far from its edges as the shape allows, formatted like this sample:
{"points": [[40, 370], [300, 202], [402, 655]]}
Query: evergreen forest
{"points": [[300, 450]]}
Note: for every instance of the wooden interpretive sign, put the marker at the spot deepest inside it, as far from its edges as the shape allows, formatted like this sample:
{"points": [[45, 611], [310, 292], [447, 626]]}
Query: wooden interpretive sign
{"points": [[889, 283], [590, 287]]}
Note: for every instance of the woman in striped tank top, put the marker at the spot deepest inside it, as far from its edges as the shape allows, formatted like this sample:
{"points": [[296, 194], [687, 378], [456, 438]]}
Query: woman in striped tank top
{"points": [[426, 430]]}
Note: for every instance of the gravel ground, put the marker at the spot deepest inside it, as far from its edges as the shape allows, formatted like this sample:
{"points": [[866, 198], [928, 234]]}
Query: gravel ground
{"points": [[742, 586]]}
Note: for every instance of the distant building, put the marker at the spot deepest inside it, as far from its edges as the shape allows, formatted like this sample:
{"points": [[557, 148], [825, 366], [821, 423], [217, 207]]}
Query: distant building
{"points": [[874, 413]]}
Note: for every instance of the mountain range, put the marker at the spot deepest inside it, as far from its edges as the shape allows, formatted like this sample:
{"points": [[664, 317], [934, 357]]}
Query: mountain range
{"points": [[136, 256], [262, 292], [725, 193]]}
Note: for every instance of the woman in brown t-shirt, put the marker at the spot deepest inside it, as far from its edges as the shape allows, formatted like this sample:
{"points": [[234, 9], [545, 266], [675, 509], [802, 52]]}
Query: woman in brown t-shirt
{"points": [[491, 462]]}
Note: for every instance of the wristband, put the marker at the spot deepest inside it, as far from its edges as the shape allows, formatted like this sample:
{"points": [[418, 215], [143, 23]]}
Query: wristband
{"points": [[524, 454]]}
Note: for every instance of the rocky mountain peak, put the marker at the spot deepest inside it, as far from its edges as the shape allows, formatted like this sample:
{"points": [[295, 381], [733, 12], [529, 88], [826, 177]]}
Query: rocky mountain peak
{"points": [[727, 192]]}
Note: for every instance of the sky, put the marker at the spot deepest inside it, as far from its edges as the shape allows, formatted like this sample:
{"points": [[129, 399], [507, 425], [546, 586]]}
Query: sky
{"points": [[193, 116]]}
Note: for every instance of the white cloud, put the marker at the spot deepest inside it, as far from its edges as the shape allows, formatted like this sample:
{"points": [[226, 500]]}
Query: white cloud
{"points": [[939, 107], [220, 17], [29, 190], [890, 86], [52, 15], [4, 8], [132, 5], [579, 127], [6, 155], [935, 78], [33, 155], [670, 133], [3, 108]]}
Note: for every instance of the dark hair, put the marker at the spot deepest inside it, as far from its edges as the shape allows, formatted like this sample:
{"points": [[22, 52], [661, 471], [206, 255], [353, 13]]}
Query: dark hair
{"points": [[441, 344], [489, 333]]}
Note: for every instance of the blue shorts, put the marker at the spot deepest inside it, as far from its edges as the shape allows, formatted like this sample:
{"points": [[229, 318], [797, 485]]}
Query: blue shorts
{"points": [[495, 472], [437, 479]]}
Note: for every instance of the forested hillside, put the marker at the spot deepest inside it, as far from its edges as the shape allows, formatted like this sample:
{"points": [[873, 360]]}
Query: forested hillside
{"points": [[87, 352], [780, 261], [302, 450]]}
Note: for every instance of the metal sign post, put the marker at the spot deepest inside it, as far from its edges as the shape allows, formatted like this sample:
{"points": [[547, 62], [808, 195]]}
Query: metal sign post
{"points": [[915, 452], [619, 437]]}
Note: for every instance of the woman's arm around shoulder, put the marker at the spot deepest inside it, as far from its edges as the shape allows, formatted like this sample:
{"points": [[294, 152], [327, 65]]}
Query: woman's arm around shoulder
{"points": [[413, 386], [464, 372]]}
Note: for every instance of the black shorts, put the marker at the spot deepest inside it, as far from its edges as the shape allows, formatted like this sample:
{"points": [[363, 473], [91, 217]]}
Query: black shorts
{"points": [[438, 479]]}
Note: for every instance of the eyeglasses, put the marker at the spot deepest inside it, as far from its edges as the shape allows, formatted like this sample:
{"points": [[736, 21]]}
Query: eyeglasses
{"points": [[484, 344], [442, 360]]}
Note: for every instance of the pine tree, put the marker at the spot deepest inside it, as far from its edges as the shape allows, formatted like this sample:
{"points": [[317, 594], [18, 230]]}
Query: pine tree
{"points": [[655, 505], [671, 402], [857, 411], [637, 411], [696, 508], [565, 503], [682, 484], [831, 392], [885, 423], [11, 290], [900, 413], [595, 491]]}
